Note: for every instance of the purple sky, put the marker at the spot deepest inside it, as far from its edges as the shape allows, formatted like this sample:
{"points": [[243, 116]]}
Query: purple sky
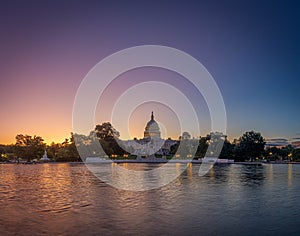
{"points": [[251, 49]]}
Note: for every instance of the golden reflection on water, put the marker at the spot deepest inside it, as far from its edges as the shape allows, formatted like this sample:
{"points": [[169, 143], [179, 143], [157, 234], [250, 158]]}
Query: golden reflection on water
{"points": [[189, 170], [212, 173], [34, 189], [144, 174], [65, 199], [11, 180], [271, 176], [53, 189], [125, 165], [290, 174]]}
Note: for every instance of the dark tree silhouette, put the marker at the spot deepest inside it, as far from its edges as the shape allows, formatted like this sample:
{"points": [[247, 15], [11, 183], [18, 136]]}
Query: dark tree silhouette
{"points": [[29, 147], [227, 150], [106, 131], [108, 137], [251, 145]]}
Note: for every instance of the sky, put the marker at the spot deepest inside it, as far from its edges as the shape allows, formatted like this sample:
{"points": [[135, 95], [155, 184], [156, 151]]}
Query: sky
{"points": [[251, 48]]}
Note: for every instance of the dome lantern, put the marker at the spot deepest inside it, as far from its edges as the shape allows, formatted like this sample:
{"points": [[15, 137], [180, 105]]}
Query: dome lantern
{"points": [[152, 128]]}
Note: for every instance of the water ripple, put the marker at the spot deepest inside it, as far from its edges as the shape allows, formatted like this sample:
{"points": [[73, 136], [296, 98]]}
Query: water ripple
{"points": [[64, 199]]}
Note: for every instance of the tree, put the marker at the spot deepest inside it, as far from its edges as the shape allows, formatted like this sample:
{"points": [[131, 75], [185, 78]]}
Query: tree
{"points": [[215, 141], [106, 131], [227, 150], [251, 145], [187, 148], [52, 150], [174, 148], [3, 155], [273, 153], [108, 137], [202, 147], [296, 154], [211, 145], [29, 147], [72, 148], [66, 151], [287, 151]]}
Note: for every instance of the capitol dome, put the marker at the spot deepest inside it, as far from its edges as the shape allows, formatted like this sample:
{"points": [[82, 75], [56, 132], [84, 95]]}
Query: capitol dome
{"points": [[152, 128]]}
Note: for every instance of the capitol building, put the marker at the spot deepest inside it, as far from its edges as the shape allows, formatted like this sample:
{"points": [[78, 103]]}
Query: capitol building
{"points": [[152, 144], [152, 129]]}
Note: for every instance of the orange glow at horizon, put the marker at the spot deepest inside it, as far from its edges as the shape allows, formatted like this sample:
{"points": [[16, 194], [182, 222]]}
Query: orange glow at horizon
{"points": [[48, 137], [54, 128]]}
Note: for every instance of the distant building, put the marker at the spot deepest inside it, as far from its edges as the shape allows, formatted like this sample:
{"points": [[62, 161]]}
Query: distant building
{"points": [[185, 135], [152, 143], [152, 129]]}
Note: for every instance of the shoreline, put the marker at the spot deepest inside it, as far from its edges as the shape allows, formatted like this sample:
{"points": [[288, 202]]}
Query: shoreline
{"points": [[154, 162]]}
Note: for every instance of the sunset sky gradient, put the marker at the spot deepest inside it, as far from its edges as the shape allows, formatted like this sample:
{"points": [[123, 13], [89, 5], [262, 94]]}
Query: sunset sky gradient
{"points": [[251, 48]]}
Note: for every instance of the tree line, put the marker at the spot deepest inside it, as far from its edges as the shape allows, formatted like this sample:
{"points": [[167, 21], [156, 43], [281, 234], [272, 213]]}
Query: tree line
{"points": [[29, 147], [249, 147]]}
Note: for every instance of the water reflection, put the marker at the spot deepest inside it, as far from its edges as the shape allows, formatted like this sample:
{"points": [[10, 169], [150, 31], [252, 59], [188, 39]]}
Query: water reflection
{"points": [[290, 174], [271, 176], [189, 170], [138, 176], [63, 199], [54, 194], [252, 175], [7, 183], [212, 173]]}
